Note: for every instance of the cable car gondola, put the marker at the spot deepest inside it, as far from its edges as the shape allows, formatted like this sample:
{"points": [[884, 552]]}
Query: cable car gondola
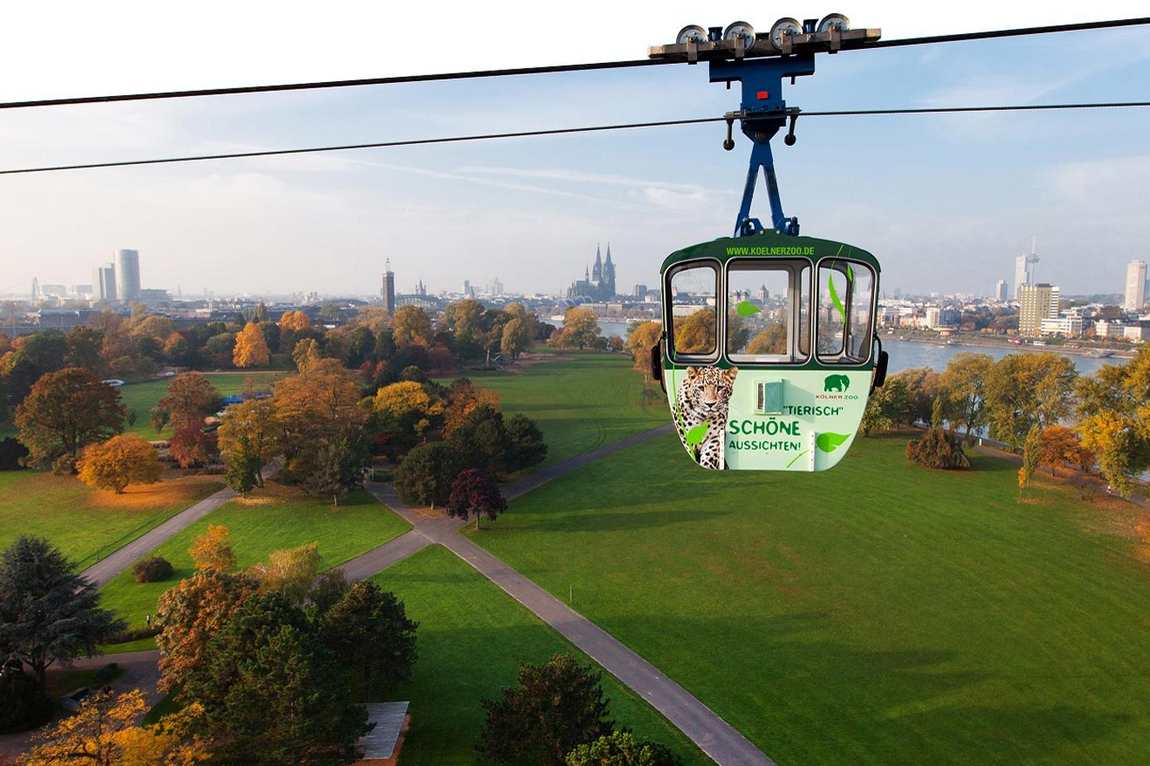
{"points": [[769, 350]]}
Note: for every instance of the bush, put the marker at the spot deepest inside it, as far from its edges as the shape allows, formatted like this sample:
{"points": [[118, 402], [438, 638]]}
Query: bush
{"points": [[936, 449], [11, 453], [152, 569]]}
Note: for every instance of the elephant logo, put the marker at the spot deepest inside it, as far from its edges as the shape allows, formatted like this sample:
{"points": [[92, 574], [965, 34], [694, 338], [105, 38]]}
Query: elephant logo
{"points": [[836, 383]]}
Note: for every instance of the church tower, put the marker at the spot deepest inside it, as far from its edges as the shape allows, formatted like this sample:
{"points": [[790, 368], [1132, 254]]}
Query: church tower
{"points": [[597, 270], [609, 276]]}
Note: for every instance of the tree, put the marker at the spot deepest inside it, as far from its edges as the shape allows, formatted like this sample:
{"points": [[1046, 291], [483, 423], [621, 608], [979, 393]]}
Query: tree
{"points": [[964, 385], [190, 398], [290, 571], [621, 748], [553, 708], [84, 348], [465, 320], [411, 326], [481, 440], [212, 550], [1027, 389], [23, 703], [220, 349], [272, 692], [887, 408], [65, 411], [1031, 455], [251, 348], [295, 321], [47, 613], [249, 438], [515, 338], [406, 411], [426, 473], [526, 447], [30, 358], [337, 466], [104, 732], [305, 354], [580, 328], [368, 629], [1061, 445], [120, 461], [1121, 445], [464, 397], [474, 494], [190, 614], [696, 333], [642, 338]]}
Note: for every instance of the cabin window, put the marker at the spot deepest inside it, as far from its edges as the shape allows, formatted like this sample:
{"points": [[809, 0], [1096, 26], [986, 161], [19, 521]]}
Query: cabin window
{"points": [[691, 294], [768, 312], [845, 311]]}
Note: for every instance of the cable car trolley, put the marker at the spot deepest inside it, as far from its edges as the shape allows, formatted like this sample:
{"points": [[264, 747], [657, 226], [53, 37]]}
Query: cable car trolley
{"points": [[769, 350]]}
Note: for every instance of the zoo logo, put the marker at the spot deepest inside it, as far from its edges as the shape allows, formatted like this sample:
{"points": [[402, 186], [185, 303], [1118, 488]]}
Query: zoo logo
{"points": [[838, 383]]}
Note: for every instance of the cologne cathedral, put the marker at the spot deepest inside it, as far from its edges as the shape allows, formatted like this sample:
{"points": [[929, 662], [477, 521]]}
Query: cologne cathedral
{"points": [[598, 284]]}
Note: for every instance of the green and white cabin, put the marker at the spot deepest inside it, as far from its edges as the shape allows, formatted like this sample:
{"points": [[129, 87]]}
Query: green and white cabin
{"points": [[747, 388]]}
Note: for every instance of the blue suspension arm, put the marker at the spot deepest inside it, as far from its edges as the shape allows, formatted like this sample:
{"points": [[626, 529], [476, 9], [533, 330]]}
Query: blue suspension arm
{"points": [[763, 112]]}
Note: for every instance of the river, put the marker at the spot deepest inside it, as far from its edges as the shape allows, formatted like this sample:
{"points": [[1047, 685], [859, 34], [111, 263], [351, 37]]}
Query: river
{"points": [[907, 354]]}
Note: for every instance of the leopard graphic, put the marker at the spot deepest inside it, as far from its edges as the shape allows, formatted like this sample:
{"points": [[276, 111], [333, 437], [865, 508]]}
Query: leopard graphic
{"points": [[704, 397]]}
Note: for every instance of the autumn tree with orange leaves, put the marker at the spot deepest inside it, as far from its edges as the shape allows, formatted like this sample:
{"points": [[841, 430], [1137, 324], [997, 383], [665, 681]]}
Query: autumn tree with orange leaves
{"points": [[105, 732], [120, 461], [190, 614], [213, 549], [251, 349]]}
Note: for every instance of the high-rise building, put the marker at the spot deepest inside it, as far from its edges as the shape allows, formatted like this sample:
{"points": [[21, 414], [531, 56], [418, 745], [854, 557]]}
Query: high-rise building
{"points": [[1023, 271], [104, 285], [35, 288], [387, 290], [1135, 286], [1037, 302], [128, 275], [1000, 290]]}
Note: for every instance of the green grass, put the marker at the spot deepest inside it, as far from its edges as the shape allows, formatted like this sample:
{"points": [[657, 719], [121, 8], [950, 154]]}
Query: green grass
{"points": [[88, 524], [142, 397], [580, 402], [270, 519], [877, 613], [471, 640]]}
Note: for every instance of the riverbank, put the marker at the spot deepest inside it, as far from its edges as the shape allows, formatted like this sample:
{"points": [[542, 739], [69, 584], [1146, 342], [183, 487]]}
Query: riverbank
{"points": [[1005, 344]]}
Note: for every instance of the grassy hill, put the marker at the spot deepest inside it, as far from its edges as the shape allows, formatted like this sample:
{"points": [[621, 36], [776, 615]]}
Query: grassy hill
{"points": [[877, 613]]}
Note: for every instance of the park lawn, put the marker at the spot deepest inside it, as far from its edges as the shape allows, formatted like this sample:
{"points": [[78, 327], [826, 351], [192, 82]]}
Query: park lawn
{"points": [[142, 397], [580, 401], [877, 613], [269, 519], [88, 524], [471, 640]]}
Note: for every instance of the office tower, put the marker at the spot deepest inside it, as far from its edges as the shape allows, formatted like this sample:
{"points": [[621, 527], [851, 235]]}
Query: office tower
{"points": [[104, 284], [128, 275], [1135, 286], [387, 291], [1023, 271], [1037, 302], [1000, 290]]}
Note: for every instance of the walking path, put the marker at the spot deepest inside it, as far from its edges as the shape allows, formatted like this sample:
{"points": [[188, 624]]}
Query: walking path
{"points": [[106, 569], [710, 733]]}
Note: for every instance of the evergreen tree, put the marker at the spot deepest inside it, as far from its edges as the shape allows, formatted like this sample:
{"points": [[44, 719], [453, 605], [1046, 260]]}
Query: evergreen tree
{"points": [[47, 613], [368, 630]]}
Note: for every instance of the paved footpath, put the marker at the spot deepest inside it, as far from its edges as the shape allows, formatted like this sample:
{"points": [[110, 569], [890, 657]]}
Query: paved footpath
{"points": [[710, 733]]}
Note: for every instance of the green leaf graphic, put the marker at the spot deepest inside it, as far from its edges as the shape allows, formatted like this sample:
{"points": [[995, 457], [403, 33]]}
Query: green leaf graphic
{"points": [[696, 435], [747, 309], [829, 441], [835, 298]]}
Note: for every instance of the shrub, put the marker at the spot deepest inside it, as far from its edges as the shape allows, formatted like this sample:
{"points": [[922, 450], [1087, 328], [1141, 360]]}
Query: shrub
{"points": [[133, 634], [621, 748], [936, 449], [152, 569]]}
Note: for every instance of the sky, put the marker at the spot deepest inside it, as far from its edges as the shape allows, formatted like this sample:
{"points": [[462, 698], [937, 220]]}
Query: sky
{"points": [[945, 203]]}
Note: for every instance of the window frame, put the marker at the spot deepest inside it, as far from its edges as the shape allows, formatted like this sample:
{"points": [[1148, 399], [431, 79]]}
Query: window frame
{"points": [[794, 268], [841, 359], [673, 353]]}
